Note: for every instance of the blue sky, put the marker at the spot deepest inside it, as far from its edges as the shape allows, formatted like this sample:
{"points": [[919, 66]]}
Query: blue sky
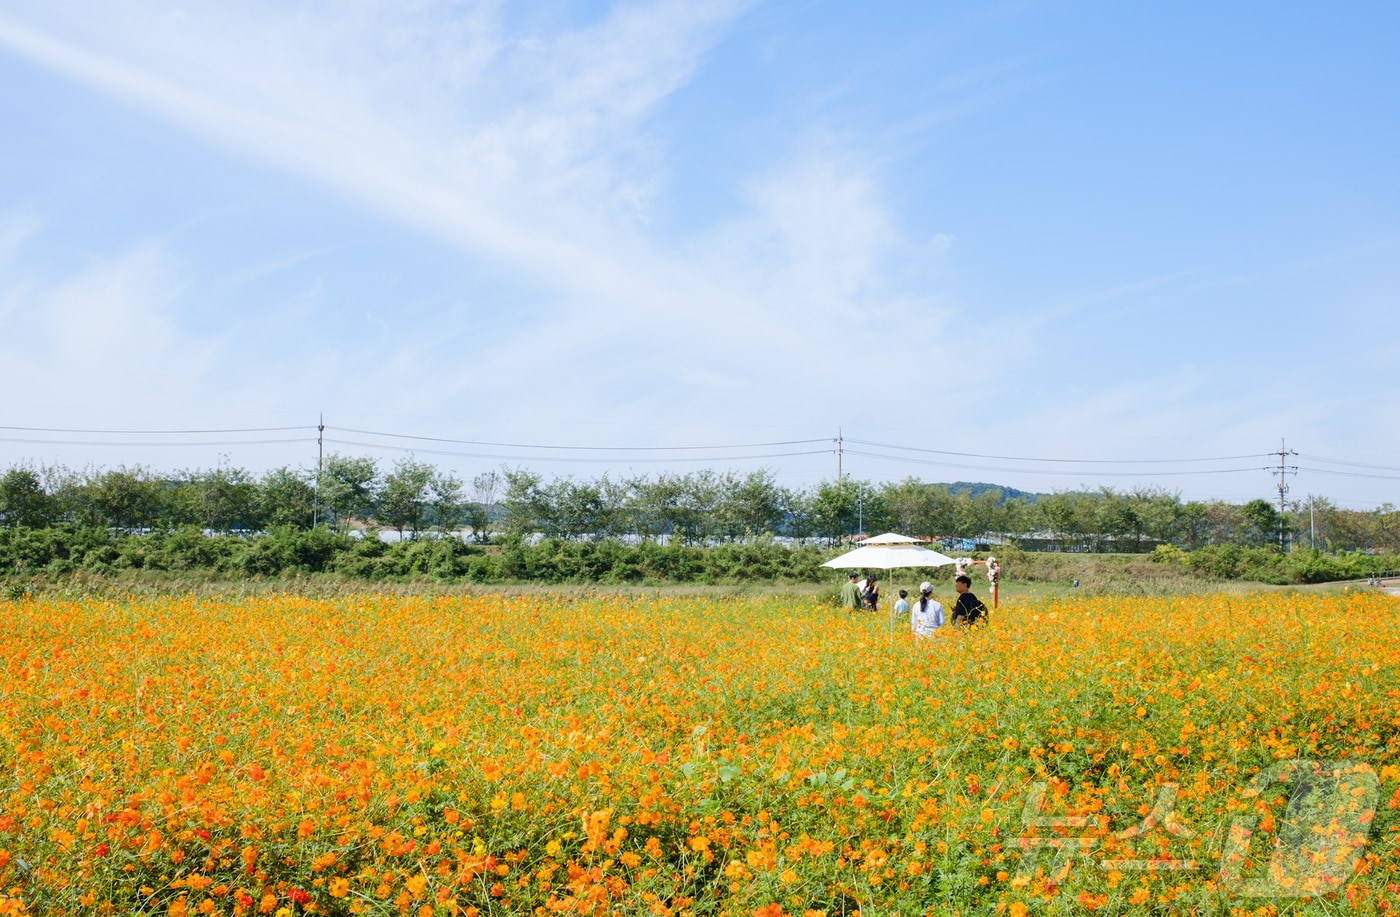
{"points": [[1101, 232]]}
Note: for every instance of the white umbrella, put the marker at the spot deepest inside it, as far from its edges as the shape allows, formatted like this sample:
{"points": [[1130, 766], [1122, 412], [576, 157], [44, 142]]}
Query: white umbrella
{"points": [[887, 552]]}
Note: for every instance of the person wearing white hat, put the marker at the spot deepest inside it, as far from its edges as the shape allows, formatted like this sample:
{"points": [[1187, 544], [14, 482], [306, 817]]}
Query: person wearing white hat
{"points": [[927, 614]]}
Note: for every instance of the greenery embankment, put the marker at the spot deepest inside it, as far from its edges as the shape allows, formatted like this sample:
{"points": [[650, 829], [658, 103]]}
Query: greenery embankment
{"points": [[54, 554]]}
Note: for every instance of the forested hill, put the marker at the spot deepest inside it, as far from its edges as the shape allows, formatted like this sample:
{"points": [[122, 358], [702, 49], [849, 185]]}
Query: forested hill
{"points": [[972, 489]]}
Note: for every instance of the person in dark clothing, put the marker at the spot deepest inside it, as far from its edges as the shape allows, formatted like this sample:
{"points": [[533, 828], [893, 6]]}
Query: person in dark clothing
{"points": [[969, 608], [872, 594]]}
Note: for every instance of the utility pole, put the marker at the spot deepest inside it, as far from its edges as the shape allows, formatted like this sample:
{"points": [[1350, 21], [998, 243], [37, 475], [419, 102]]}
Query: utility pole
{"points": [[838, 455], [1284, 469], [320, 454]]}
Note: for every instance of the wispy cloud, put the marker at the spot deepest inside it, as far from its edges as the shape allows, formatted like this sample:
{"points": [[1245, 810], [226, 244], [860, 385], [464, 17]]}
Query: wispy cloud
{"points": [[509, 145], [535, 150], [529, 149], [106, 332]]}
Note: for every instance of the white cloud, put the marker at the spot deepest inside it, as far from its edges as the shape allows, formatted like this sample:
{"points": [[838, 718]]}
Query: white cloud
{"points": [[431, 112], [107, 332], [532, 150], [16, 230]]}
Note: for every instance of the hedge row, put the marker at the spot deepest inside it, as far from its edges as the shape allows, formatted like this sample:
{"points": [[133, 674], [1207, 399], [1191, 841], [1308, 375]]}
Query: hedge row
{"points": [[61, 551], [57, 552], [1268, 565]]}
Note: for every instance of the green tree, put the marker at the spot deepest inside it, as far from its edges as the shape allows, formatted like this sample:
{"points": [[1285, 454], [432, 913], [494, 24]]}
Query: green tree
{"points": [[656, 505], [406, 497], [1341, 529], [916, 508], [526, 505], [1060, 519], [1012, 516], [448, 506], [575, 506], [748, 506], [695, 510], [798, 519], [1387, 529], [1263, 521], [1195, 524], [126, 499], [24, 501], [480, 512], [1115, 520], [286, 498], [228, 499], [1225, 524], [614, 515], [972, 516], [837, 509], [349, 486]]}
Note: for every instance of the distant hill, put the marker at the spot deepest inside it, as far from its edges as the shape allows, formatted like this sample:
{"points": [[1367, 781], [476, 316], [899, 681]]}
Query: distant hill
{"points": [[1007, 493]]}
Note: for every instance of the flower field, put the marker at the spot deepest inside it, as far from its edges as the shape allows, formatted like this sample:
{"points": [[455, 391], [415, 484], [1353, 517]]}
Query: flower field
{"points": [[553, 754]]}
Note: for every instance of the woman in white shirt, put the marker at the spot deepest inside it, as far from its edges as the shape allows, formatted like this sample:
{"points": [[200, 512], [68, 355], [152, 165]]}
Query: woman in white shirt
{"points": [[927, 614]]}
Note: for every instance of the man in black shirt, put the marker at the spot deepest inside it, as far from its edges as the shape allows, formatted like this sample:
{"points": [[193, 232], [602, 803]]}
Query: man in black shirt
{"points": [[969, 608]]}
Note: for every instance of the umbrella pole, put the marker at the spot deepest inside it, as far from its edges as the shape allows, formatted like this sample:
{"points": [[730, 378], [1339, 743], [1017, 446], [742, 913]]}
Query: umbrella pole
{"points": [[894, 597]]}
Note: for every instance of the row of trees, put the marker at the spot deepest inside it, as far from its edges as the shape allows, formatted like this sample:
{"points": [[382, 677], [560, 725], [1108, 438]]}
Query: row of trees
{"points": [[697, 508], [410, 497]]}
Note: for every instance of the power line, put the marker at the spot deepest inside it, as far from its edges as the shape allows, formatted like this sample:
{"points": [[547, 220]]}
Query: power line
{"points": [[1327, 461], [1351, 474], [153, 432], [579, 458], [201, 442], [1023, 458], [473, 442], [1144, 473]]}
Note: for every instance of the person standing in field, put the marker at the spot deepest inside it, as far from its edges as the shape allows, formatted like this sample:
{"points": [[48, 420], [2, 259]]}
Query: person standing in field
{"points": [[969, 608], [872, 594], [927, 614], [851, 595], [901, 607]]}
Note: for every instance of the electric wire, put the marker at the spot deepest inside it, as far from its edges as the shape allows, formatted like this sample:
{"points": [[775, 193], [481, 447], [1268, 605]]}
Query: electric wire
{"points": [[579, 458], [473, 442], [1145, 473], [157, 432], [1327, 461], [202, 442], [1353, 474], [1023, 458]]}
